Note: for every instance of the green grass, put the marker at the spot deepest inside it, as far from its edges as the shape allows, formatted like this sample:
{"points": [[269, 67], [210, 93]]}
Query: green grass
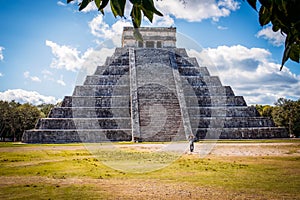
{"points": [[49, 172]]}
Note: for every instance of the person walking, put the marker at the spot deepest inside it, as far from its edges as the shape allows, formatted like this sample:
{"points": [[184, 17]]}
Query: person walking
{"points": [[191, 139]]}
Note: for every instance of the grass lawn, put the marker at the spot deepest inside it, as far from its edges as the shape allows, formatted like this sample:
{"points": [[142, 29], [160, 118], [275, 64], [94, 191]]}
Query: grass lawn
{"points": [[69, 171]]}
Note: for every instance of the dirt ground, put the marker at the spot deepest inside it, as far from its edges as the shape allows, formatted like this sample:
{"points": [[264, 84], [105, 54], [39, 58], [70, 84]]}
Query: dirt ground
{"points": [[156, 189], [139, 189], [203, 149]]}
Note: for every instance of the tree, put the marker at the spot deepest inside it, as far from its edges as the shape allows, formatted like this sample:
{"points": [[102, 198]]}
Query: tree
{"points": [[118, 6], [264, 110], [286, 113], [27, 118], [283, 14], [4, 124], [15, 118]]}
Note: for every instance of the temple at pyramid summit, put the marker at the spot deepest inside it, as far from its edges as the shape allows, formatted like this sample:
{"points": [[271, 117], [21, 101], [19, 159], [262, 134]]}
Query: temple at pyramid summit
{"points": [[150, 90]]}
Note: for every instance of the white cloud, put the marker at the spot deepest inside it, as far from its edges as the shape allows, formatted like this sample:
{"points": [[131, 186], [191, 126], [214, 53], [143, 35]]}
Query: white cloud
{"points": [[24, 96], [61, 3], [198, 10], [250, 72], [47, 74], [35, 79], [275, 38], [222, 27], [104, 31], [1, 53], [1, 74], [61, 81], [32, 78], [71, 59], [164, 21], [65, 57], [26, 74]]}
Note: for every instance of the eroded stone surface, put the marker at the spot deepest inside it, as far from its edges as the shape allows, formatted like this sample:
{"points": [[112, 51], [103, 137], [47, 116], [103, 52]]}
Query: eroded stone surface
{"points": [[151, 94]]}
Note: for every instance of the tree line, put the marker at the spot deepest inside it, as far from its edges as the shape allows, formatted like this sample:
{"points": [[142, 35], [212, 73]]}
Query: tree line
{"points": [[15, 118], [285, 113]]}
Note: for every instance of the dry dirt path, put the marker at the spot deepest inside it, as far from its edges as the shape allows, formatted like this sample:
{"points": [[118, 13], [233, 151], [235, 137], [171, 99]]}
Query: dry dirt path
{"points": [[206, 149]]}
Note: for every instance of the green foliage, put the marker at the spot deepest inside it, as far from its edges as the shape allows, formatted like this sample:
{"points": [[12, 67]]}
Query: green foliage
{"points": [[264, 110], [118, 6], [15, 118], [285, 113], [284, 16]]}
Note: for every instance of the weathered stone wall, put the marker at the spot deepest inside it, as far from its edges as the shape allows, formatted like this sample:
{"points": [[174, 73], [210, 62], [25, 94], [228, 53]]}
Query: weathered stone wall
{"points": [[165, 36]]}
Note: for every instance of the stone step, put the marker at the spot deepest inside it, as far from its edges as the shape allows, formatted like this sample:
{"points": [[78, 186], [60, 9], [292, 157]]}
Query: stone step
{"points": [[84, 123], [235, 111], [89, 112], [208, 91], [183, 62], [112, 70], [214, 101], [201, 81], [147, 93], [100, 101], [188, 81], [212, 80], [240, 133], [189, 71], [203, 71], [181, 52], [101, 90], [230, 122], [163, 135], [121, 51], [71, 136], [163, 102], [151, 56], [107, 80], [117, 60], [169, 119]]}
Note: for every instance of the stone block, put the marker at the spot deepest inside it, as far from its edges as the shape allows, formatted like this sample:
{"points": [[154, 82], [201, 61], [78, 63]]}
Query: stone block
{"points": [[74, 136], [230, 122], [214, 101], [209, 91], [93, 101], [84, 123], [107, 80], [101, 90], [91, 112], [231, 111]]}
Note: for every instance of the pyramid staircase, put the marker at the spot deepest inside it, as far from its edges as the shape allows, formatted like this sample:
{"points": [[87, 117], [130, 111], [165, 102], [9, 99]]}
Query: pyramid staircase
{"points": [[98, 110], [214, 110], [151, 94]]}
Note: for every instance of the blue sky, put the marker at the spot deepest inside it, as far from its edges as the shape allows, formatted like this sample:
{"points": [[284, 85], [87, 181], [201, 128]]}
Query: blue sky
{"points": [[46, 45]]}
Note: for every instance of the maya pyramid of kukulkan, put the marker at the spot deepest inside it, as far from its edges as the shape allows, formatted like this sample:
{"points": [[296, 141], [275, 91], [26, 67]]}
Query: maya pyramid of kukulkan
{"points": [[150, 90]]}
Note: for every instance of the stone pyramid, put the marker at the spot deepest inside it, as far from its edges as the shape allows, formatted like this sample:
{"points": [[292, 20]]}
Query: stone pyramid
{"points": [[151, 91]]}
